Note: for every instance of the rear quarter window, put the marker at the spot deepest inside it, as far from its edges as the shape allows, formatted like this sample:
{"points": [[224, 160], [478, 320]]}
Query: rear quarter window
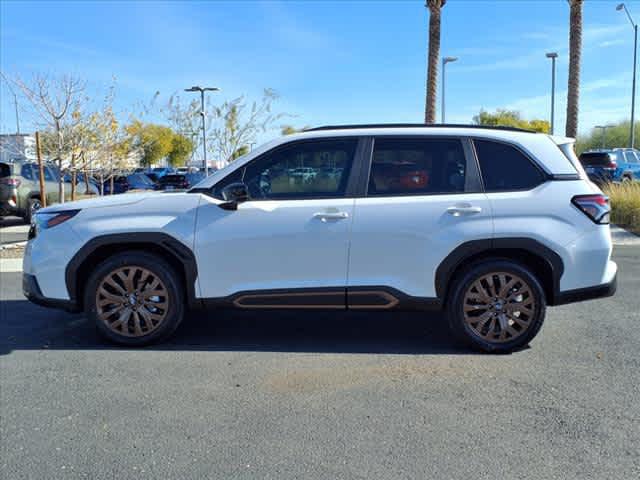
{"points": [[505, 168]]}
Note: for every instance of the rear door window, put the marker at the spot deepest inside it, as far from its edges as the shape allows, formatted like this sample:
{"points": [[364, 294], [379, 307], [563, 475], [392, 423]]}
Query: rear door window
{"points": [[5, 170], [630, 157], [417, 166], [506, 168]]}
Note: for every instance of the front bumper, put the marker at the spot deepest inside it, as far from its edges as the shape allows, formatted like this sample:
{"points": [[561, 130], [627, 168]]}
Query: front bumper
{"points": [[589, 293], [31, 290]]}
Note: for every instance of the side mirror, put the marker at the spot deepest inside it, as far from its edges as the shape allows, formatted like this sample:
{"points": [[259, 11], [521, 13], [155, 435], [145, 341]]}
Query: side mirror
{"points": [[233, 194]]}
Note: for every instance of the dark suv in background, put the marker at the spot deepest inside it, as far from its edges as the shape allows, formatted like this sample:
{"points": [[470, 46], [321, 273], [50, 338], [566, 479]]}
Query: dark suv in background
{"points": [[615, 165], [20, 189]]}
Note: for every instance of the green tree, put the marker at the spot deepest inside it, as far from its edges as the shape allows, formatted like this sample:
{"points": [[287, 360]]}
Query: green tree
{"points": [[290, 129], [616, 135], [181, 148], [154, 141], [510, 118]]}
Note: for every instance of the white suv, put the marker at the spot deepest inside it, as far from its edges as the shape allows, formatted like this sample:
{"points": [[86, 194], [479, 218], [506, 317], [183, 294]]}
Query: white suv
{"points": [[489, 224]]}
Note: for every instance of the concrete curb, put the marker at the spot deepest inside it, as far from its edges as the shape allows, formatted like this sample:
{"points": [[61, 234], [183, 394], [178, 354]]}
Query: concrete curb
{"points": [[620, 236], [10, 265]]}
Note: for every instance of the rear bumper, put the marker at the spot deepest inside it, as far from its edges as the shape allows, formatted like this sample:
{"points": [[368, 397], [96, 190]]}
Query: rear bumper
{"points": [[589, 293], [31, 290]]}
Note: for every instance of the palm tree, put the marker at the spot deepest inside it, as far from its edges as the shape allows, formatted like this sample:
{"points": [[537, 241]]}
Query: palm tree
{"points": [[432, 62], [575, 51]]}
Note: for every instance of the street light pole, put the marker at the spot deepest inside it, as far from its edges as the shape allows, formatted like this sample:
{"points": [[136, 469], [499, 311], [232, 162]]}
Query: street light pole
{"points": [[632, 135], [445, 60], [15, 103], [202, 112], [604, 133], [553, 56]]}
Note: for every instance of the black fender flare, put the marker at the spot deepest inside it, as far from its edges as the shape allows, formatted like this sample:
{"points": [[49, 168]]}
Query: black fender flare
{"points": [[166, 243], [473, 248]]}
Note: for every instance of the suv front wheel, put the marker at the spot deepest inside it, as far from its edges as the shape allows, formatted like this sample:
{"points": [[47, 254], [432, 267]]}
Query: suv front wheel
{"points": [[497, 306], [134, 298]]}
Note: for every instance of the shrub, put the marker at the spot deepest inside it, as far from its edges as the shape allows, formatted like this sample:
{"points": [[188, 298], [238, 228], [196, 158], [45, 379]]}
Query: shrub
{"points": [[625, 204]]}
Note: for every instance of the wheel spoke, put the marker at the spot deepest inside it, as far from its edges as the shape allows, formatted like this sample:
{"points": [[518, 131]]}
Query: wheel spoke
{"points": [[480, 292], [504, 290], [109, 297], [138, 285], [112, 283], [499, 307]]}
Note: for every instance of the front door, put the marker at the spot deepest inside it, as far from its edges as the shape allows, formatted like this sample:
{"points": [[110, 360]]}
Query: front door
{"points": [[288, 245]]}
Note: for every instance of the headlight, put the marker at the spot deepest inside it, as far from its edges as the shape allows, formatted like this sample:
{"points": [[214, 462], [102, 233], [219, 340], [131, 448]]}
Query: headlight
{"points": [[42, 221]]}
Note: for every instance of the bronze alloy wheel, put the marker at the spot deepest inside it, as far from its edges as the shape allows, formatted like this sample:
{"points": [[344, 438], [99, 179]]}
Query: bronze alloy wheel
{"points": [[499, 307], [132, 301]]}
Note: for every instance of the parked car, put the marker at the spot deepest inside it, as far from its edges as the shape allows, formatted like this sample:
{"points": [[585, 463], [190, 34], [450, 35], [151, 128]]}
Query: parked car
{"points": [[20, 188], [194, 178], [173, 182], [140, 181], [120, 185], [522, 229], [162, 171], [616, 165], [153, 177]]}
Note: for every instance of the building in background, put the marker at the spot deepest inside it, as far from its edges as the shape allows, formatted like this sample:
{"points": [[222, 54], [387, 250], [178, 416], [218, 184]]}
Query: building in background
{"points": [[17, 147]]}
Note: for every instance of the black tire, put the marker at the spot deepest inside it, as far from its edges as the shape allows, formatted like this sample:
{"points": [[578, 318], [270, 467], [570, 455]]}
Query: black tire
{"points": [[33, 205], [466, 332], [627, 178], [159, 268]]}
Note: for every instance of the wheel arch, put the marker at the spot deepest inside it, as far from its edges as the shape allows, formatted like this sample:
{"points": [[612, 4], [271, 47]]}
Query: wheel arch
{"points": [[544, 263], [178, 255]]}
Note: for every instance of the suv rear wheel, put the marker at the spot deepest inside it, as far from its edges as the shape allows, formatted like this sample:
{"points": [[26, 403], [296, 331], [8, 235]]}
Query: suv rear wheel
{"points": [[135, 299], [497, 306]]}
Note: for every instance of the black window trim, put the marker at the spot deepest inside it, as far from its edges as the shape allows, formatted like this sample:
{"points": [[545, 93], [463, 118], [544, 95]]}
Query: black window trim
{"points": [[473, 180], [546, 176], [352, 188]]}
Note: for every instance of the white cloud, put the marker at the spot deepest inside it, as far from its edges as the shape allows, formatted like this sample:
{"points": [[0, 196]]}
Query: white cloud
{"points": [[610, 43]]}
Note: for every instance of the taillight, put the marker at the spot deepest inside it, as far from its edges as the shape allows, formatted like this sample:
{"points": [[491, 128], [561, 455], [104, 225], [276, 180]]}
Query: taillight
{"points": [[612, 165], [14, 182], [595, 206]]}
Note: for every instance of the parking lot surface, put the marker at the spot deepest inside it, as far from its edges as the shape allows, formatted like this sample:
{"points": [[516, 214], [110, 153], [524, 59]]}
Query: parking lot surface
{"points": [[12, 230], [322, 395]]}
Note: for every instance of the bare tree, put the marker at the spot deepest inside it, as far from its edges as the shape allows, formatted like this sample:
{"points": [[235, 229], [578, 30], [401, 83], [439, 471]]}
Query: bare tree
{"points": [[236, 124], [56, 101]]}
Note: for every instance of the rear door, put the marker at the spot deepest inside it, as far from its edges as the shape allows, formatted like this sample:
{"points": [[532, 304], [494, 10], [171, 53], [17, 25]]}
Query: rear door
{"points": [[423, 199], [632, 164]]}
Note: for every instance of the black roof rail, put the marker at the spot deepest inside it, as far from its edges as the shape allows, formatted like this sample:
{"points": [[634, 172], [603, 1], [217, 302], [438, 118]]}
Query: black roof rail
{"points": [[416, 125]]}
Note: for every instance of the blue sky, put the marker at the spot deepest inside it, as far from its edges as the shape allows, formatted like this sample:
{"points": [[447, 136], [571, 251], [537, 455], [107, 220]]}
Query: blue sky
{"points": [[330, 61]]}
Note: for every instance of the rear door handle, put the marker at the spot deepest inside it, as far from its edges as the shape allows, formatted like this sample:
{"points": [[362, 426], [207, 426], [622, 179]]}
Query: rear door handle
{"points": [[459, 210], [326, 216]]}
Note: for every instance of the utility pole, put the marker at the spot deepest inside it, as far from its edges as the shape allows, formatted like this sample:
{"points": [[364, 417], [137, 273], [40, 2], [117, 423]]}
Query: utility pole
{"points": [[445, 60], [15, 103], [43, 193], [604, 133], [553, 56], [632, 133], [202, 112]]}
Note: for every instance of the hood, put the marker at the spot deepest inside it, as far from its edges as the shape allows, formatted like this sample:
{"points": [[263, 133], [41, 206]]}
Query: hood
{"points": [[98, 202]]}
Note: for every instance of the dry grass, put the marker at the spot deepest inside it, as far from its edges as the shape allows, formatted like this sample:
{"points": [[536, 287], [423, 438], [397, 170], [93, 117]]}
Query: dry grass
{"points": [[625, 204]]}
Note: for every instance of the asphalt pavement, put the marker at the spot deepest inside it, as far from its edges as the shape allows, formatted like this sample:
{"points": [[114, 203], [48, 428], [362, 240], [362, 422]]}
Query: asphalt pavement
{"points": [[12, 230], [322, 396]]}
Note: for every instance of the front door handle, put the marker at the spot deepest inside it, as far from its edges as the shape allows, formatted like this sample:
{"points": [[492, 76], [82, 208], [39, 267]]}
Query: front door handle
{"points": [[326, 216], [463, 209]]}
